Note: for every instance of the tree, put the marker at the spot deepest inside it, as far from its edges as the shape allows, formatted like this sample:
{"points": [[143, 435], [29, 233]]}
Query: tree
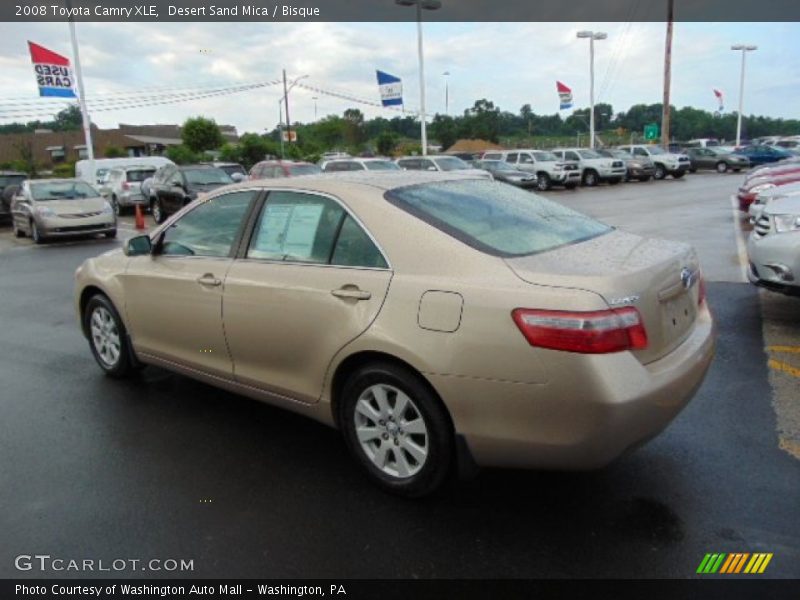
{"points": [[69, 119], [386, 142], [114, 152], [254, 148], [26, 160], [181, 155], [354, 126], [445, 130], [200, 134]]}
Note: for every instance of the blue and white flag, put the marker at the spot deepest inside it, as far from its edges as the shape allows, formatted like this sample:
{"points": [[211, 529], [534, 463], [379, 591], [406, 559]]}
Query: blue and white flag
{"points": [[391, 89]]}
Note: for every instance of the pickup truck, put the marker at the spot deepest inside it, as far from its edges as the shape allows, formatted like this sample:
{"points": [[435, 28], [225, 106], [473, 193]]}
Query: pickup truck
{"points": [[593, 166], [546, 166], [666, 163]]}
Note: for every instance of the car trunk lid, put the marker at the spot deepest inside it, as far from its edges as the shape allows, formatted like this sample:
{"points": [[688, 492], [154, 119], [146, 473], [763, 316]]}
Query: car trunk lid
{"points": [[658, 277]]}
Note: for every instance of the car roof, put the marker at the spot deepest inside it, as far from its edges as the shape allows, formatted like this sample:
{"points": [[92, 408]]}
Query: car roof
{"points": [[382, 180]]}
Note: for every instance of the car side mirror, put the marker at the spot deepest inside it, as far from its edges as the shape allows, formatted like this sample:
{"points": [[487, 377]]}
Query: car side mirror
{"points": [[237, 177], [141, 245]]}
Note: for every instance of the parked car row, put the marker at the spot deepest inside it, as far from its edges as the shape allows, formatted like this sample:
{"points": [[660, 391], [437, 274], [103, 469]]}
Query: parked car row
{"points": [[771, 196]]}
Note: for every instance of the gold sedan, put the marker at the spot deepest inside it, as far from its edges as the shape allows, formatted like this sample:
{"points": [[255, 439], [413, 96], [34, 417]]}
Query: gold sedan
{"points": [[436, 319]]}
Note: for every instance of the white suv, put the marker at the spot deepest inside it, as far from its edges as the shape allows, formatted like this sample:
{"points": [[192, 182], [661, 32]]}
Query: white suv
{"points": [[666, 163], [774, 247], [593, 166], [546, 166]]}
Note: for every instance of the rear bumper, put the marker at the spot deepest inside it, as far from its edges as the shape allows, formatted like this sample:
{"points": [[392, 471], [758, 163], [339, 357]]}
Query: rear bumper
{"points": [[583, 418], [131, 199]]}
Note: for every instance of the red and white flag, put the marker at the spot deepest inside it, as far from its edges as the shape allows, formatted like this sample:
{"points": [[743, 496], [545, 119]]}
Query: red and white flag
{"points": [[53, 72], [564, 95], [718, 94]]}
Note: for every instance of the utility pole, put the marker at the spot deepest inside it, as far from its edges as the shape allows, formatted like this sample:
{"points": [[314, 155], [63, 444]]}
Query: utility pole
{"points": [[667, 76], [87, 124], [286, 102]]}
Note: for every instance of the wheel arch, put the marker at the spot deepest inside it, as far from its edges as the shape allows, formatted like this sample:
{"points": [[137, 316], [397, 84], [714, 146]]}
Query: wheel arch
{"points": [[357, 360]]}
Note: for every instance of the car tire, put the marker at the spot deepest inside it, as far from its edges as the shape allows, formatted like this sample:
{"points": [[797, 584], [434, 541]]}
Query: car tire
{"points": [[401, 460], [678, 174], [590, 178], [722, 167], [543, 182], [18, 233], [157, 211], [36, 235], [660, 173], [107, 337]]}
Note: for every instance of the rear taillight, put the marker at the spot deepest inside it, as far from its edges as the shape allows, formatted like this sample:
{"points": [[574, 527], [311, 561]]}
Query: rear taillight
{"points": [[595, 332]]}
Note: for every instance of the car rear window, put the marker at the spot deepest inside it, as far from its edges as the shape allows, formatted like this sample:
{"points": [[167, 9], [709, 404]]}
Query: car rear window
{"points": [[140, 174], [496, 218]]}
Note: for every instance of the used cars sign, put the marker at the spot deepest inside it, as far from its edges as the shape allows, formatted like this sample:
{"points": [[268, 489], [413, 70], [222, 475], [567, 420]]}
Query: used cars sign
{"points": [[53, 72]]}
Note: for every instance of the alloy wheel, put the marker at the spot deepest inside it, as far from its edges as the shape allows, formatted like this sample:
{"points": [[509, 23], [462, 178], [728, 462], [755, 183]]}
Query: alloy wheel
{"points": [[391, 431], [105, 336]]}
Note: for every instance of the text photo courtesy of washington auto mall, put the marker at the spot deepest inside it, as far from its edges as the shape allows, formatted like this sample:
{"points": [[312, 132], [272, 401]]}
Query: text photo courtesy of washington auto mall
{"points": [[400, 298]]}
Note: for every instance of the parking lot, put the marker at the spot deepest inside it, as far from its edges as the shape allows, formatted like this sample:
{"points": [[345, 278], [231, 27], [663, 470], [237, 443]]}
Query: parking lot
{"points": [[165, 467]]}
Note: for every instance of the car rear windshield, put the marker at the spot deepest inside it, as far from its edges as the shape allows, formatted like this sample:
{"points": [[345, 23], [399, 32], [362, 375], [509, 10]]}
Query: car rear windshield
{"points": [[451, 163], [496, 218], [381, 165], [62, 190], [207, 176], [304, 170], [140, 174], [6, 180]]}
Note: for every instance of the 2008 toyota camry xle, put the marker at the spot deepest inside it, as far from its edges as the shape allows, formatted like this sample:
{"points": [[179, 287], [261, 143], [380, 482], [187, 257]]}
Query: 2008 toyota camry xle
{"points": [[432, 318]]}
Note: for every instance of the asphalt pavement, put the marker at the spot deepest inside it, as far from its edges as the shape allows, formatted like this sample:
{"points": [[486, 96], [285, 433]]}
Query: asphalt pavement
{"points": [[163, 467]]}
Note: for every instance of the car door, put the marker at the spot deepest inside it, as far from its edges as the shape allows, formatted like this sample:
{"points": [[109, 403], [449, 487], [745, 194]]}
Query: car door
{"points": [[311, 280], [173, 298], [174, 196]]}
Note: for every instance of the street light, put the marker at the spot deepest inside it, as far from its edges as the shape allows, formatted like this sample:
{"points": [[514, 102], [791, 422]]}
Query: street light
{"points": [[446, 74], [744, 49], [592, 35], [421, 5], [315, 98]]}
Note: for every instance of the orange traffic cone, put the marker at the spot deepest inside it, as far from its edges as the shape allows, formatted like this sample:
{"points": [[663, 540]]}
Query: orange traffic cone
{"points": [[139, 217]]}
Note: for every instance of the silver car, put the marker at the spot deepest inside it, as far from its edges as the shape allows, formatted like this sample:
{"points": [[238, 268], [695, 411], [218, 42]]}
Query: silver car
{"points": [[774, 247], [54, 208], [123, 187]]}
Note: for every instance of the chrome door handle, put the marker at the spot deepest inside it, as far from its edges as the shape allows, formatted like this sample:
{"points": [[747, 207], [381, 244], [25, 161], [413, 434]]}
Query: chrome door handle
{"points": [[209, 279], [352, 293]]}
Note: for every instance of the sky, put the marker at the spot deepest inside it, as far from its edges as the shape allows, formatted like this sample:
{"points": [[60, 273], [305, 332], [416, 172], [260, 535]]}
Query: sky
{"points": [[510, 64]]}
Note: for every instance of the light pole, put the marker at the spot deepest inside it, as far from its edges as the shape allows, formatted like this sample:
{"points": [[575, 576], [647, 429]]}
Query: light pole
{"points": [[592, 35], [420, 5], [745, 49], [446, 92], [315, 98]]}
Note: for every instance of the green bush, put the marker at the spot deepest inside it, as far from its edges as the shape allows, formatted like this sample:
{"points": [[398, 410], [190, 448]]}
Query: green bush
{"points": [[64, 170], [181, 155]]}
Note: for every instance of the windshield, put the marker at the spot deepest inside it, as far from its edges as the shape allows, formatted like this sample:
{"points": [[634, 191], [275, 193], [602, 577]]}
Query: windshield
{"points": [[207, 176], [140, 174], [545, 156], [495, 218], [381, 165], [451, 163], [231, 169], [588, 154], [304, 169], [6, 180], [62, 190]]}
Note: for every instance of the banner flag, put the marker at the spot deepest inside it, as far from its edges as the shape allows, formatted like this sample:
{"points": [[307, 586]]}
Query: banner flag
{"points": [[718, 94], [564, 95], [53, 72], [391, 89]]}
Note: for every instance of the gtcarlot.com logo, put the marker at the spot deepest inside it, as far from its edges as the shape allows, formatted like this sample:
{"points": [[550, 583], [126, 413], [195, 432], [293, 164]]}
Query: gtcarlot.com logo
{"points": [[45, 563], [734, 563]]}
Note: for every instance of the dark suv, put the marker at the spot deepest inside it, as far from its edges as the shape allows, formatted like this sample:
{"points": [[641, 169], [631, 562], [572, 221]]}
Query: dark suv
{"points": [[173, 187], [10, 182]]}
